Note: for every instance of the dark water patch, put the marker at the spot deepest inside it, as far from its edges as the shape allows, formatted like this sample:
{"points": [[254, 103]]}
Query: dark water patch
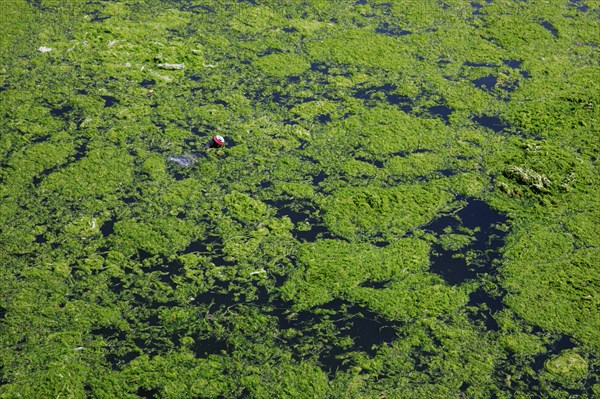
{"points": [[487, 305], [204, 347], [391, 30], [143, 255], [40, 239], [479, 64], [3, 88], [324, 119], [375, 162], [319, 67], [98, 18], [476, 8], [559, 344], [303, 144], [62, 111], [116, 285], [486, 83], [109, 333], [580, 7], [491, 122], [41, 139], [150, 82], [206, 246], [148, 393], [525, 74], [109, 101], [404, 102], [80, 152], [368, 93], [514, 64], [290, 30], [129, 200], [165, 269], [366, 329], [477, 224], [404, 154], [464, 157], [385, 93], [302, 215], [550, 28], [221, 296], [212, 247], [108, 227], [119, 355], [375, 284], [118, 361], [380, 243], [446, 172], [443, 62], [319, 178], [441, 111]]}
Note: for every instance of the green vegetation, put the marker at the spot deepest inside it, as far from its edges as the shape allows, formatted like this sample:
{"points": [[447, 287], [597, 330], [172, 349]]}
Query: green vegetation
{"points": [[406, 207]]}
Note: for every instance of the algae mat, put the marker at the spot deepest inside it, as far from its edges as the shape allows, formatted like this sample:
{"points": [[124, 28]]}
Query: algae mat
{"points": [[406, 206]]}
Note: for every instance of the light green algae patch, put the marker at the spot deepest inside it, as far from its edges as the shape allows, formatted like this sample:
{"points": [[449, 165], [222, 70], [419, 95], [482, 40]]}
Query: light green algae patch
{"points": [[281, 65], [335, 269], [569, 365], [353, 213]]}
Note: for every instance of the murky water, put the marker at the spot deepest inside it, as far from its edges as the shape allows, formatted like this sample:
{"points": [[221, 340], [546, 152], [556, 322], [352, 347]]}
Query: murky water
{"points": [[491, 122], [110, 101], [487, 305], [550, 28], [366, 329], [480, 222], [486, 83]]}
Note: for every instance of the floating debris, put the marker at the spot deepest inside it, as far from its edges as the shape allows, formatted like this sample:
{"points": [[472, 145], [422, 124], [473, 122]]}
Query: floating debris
{"points": [[171, 66], [182, 160], [529, 177], [43, 49]]}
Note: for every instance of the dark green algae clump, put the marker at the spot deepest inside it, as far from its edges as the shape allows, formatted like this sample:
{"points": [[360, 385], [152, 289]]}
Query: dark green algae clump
{"points": [[406, 207]]}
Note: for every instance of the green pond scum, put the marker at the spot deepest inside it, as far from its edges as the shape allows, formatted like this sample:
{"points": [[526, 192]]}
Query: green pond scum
{"points": [[407, 204]]}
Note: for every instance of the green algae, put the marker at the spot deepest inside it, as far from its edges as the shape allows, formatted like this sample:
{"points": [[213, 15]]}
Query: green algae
{"points": [[568, 364], [127, 276]]}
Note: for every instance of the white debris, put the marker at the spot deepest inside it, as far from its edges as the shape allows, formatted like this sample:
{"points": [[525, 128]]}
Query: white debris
{"points": [[78, 348], [85, 122], [163, 77], [258, 272], [112, 43], [171, 66], [209, 65], [44, 49]]}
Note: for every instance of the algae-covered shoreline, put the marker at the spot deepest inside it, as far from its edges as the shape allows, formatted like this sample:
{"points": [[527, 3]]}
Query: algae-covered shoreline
{"points": [[406, 207]]}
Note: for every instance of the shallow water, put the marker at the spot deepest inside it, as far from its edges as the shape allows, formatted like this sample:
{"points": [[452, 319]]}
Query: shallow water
{"points": [[481, 220], [550, 28], [486, 83], [491, 122]]}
